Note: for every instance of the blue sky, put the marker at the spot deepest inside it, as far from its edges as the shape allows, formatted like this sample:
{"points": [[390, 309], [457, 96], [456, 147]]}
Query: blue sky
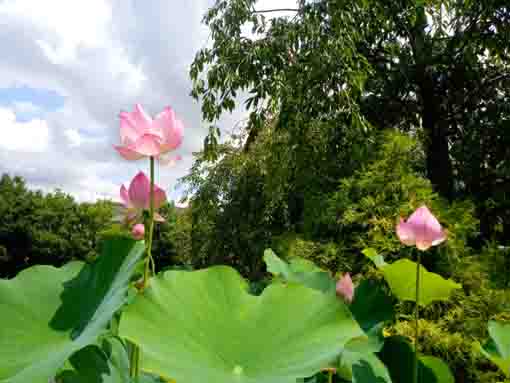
{"points": [[68, 67], [36, 102]]}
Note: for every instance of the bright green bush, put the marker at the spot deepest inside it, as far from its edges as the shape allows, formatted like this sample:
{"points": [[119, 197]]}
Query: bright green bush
{"points": [[449, 329], [365, 209], [327, 255]]}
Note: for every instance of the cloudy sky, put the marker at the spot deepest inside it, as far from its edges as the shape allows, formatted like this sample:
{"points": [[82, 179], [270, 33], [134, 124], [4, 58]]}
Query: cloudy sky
{"points": [[69, 66]]}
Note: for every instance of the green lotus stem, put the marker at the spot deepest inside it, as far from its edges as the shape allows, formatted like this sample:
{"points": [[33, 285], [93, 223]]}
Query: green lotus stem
{"points": [[134, 365], [416, 318], [330, 376], [149, 259], [134, 370]]}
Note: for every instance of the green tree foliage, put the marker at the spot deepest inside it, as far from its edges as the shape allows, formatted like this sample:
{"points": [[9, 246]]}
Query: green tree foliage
{"points": [[53, 229], [172, 238], [241, 205], [365, 209], [440, 68], [50, 228]]}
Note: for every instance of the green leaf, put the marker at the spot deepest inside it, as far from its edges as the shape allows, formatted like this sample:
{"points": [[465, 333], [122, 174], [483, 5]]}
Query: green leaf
{"points": [[203, 326], [371, 305], [106, 364], [439, 369], [52, 313], [300, 271], [398, 356], [497, 349], [401, 276], [93, 364], [377, 259], [359, 364]]}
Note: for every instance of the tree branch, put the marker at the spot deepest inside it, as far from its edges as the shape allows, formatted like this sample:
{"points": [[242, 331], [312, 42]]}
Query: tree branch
{"points": [[276, 10]]}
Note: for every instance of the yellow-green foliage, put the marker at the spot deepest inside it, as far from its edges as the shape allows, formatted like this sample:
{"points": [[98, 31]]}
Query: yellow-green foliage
{"points": [[327, 255], [448, 329], [454, 348], [367, 206]]}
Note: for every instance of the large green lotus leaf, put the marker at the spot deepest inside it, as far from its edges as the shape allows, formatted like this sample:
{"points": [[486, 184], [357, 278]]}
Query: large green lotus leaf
{"points": [[401, 276], [106, 364], [497, 349], [299, 270], [398, 356], [203, 326], [359, 364], [93, 364], [371, 305], [438, 368], [50, 313]]}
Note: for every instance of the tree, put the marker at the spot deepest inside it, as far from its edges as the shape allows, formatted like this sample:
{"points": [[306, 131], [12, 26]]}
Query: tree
{"points": [[46, 229], [440, 68]]}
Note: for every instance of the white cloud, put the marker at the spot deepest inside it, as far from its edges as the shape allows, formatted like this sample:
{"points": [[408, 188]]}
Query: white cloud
{"points": [[32, 136], [70, 23], [73, 137], [26, 107], [103, 56]]}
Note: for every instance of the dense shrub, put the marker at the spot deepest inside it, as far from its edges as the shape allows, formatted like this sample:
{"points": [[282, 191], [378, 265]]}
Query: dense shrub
{"points": [[365, 208], [449, 329], [327, 255]]}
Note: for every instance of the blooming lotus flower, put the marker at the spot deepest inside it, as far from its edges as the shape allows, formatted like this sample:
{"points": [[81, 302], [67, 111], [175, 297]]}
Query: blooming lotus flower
{"points": [[345, 288], [138, 231], [136, 199], [142, 136], [422, 229]]}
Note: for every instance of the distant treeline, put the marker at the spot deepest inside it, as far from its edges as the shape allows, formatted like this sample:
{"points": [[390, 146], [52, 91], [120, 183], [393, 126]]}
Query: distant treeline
{"points": [[53, 228]]}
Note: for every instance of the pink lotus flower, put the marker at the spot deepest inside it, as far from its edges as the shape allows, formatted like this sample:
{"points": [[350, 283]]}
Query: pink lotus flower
{"points": [[138, 231], [142, 136], [345, 288], [421, 229], [136, 199]]}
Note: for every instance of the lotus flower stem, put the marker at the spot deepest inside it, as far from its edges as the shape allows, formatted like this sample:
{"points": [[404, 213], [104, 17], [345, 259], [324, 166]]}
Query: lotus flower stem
{"points": [[416, 318], [330, 376], [135, 353], [134, 365], [149, 261]]}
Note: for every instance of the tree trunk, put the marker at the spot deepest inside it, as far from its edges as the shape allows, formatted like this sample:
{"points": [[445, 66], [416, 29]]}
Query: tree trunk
{"points": [[439, 167]]}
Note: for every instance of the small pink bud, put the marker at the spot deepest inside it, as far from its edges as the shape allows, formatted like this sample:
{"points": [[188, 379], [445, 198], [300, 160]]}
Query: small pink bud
{"points": [[138, 231], [345, 288]]}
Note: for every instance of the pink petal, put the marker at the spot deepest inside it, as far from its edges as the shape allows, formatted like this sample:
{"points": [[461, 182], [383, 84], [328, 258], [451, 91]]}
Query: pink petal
{"points": [[441, 237], [128, 153], [171, 128], [147, 145], [124, 196], [139, 191], [434, 233], [167, 160], [129, 131], [405, 233], [345, 288], [141, 119], [425, 228], [158, 217], [138, 231], [159, 197]]}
